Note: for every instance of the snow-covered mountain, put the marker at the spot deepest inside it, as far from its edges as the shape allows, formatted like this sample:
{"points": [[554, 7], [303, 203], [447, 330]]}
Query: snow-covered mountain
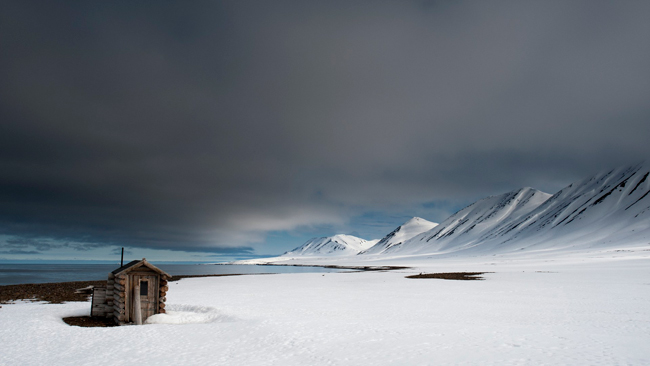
{"points": [[337, 245], [404, 232], [607, 210], [474, 223]]}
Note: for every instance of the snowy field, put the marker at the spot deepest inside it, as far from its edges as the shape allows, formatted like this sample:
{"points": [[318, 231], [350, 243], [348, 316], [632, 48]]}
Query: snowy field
{"points": [[560, 310]]}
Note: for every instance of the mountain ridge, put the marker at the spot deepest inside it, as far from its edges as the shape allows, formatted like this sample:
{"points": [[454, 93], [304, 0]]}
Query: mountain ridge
{"points": [[607, 209], [406, 231], [335, 245], [471, 224]]}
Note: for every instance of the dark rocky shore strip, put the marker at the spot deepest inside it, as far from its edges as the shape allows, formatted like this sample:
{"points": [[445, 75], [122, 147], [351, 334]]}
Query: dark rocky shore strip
{"points": [[56, 293]]}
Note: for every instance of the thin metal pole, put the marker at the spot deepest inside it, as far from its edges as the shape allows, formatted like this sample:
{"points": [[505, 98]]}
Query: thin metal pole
{"points": [[122, 260]]}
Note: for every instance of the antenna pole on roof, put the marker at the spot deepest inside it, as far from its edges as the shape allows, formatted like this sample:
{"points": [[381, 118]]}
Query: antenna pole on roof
{"points": [[122, 260]]}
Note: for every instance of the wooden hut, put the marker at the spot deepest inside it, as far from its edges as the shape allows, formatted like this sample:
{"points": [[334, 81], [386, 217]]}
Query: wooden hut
{"points": [[133, 293]]}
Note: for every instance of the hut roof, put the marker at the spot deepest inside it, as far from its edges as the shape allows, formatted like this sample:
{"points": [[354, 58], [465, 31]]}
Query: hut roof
{"points": [[137, 264]]}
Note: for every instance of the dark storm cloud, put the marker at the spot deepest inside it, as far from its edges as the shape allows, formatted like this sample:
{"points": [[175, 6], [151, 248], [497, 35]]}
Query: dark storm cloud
{"points": [[204, 125]]}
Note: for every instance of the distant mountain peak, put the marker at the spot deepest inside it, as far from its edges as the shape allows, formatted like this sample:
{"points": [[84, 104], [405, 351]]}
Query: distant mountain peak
{"points": [[336, 245], [413, 220], [474, 222], [402, 233]]}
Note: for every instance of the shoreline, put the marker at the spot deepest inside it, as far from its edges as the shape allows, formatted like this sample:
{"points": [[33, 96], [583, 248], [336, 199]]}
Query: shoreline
{"points": [[333, 266], [59, 292]]}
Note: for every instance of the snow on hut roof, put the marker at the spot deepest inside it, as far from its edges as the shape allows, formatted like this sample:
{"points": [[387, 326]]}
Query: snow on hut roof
{"points": [[139, 263]]}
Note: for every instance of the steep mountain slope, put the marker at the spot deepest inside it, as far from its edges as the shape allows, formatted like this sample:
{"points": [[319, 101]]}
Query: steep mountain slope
{"points": [[471, 225], [606, 210], [337, 245], [404, 232], [610, 209]]}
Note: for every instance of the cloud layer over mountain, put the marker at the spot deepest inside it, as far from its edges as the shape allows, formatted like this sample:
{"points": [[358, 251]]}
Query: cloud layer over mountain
{"points": [[207, 126]]}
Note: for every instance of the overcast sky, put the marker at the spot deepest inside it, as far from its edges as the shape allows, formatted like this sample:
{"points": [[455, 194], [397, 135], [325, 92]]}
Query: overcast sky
{"points": [[201, 130]]}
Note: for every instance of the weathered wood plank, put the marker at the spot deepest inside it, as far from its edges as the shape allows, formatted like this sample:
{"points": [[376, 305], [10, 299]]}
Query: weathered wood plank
{"points": [[100, 310], [98, 301], [137, 308]]}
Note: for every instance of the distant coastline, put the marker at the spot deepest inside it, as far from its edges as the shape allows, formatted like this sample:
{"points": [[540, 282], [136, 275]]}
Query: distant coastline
{"points": [[17, 274]]}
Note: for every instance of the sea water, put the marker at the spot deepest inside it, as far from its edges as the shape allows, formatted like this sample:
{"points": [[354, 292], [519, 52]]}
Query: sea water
{"points": [[13, 274]]}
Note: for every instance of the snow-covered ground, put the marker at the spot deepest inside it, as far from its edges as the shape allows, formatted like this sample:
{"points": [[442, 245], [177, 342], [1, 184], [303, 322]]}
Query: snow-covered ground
{"points": [[559, 309]]}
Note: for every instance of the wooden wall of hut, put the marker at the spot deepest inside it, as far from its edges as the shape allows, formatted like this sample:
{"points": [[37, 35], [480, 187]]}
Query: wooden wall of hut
{"points": [[137, 280]]}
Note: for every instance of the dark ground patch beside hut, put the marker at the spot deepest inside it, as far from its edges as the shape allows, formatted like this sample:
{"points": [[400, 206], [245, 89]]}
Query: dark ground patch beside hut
{"points": [[463, 276]]}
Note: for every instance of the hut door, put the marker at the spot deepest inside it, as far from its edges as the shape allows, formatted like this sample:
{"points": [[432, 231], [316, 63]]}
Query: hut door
{"points": [[148, 289]]}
